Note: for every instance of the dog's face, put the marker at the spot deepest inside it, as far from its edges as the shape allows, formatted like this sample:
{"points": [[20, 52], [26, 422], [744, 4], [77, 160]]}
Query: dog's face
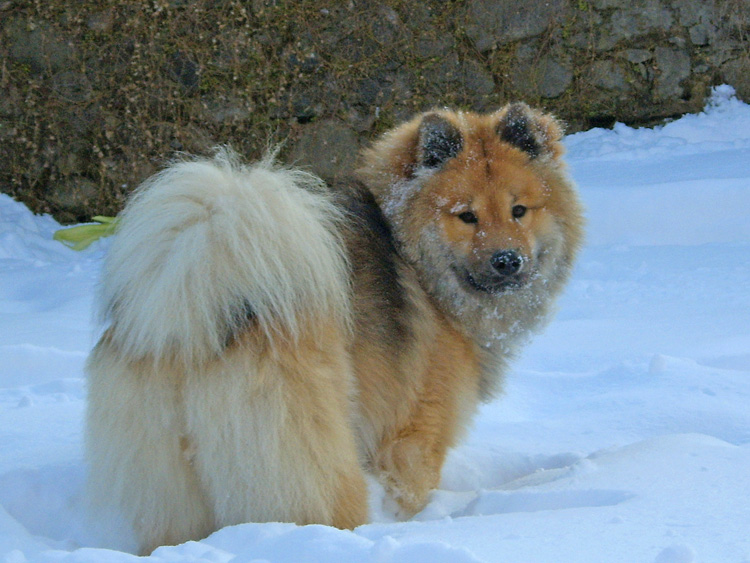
{"points": [[491, 212], [479, 203]]}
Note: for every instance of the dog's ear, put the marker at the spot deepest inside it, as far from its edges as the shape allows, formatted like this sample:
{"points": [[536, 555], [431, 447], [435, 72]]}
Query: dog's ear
{"points": [[439, 141], [535, 133], [427, 142]]}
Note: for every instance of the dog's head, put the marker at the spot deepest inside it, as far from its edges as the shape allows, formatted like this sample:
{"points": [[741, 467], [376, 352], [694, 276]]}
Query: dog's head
{"points": [[481, 202]]}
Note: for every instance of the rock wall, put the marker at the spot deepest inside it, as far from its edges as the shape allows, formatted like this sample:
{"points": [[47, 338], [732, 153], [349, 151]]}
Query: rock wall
{"points": [[98, 94]]}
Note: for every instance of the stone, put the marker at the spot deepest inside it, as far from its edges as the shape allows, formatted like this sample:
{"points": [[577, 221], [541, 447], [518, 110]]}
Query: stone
{"points": [[737, 73], [306, 64], [445, 71], [634, 20], [546, 78], [38, 46], [674, 66], [72, 87], [101, 22], [328, 147], [192, 139], [73, 194], [700, 17], [702, 33], [679, 42], [184, 70], [637, 56], [491, 23], [386, 26], [11, 103], [608, 75], [475, 78], [555, 77], [81, 119], [307, 104], [609, 4], [374, 91], [429, 46], [382, 88], [428, 40], [583, 31], [692, 12], [7, 130], [71, 160], [528, 52], [226, 108]]}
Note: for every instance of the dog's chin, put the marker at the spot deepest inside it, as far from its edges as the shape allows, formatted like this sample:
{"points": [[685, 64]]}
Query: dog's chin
{"points": [[492, 285]]}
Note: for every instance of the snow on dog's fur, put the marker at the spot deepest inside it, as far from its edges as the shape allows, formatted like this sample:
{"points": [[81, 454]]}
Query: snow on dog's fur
{"points": [[269, 340]]}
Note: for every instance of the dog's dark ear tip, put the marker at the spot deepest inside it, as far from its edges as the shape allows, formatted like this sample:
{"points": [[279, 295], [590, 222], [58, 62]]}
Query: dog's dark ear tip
{"points": [[439, 141], [531, 131], [515, 128]]}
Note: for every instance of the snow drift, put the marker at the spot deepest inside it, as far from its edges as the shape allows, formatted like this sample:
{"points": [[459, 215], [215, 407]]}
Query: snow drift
{"points": [[623, 435]]}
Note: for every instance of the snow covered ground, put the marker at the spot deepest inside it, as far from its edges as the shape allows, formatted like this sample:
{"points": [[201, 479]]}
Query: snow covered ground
{"points": [[623, 435]]}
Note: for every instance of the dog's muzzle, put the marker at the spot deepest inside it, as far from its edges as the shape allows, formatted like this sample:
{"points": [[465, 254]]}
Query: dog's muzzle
{"points": [[507, 270]]}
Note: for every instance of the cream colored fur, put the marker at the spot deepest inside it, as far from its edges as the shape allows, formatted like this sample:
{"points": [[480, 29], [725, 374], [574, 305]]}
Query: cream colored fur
{"points": [[203, 239], [194, 421]]}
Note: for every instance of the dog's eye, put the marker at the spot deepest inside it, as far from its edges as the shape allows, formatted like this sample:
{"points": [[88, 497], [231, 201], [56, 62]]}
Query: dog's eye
{"points": [[518, 211], [468, 217]]}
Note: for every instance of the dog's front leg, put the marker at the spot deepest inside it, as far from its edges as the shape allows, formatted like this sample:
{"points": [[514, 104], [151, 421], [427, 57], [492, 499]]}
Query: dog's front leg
{"points": [[410, 458], [409, 468]]}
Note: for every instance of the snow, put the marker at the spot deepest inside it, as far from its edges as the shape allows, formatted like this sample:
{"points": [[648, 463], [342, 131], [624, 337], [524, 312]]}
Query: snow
{"points": [[623, 434]]}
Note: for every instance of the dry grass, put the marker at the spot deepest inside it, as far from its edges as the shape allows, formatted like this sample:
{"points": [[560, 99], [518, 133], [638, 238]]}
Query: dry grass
{"points": [[98, 94]]}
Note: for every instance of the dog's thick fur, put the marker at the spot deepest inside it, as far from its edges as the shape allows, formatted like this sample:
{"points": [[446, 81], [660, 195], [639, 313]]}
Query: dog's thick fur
{"points": [[270, 339]]}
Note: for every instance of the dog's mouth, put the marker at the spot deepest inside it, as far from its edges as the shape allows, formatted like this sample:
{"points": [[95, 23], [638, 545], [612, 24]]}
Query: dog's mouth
{"points": [[493, 285]]}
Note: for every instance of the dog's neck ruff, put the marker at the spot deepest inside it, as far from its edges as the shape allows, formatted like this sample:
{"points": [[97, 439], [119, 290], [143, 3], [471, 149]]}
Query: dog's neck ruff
{"points": [[498, 324]]}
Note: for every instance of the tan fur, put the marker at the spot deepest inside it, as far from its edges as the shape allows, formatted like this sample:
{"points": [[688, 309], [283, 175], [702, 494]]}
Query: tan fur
{"points": [[319, 385], [461, 335], [208, 447]]}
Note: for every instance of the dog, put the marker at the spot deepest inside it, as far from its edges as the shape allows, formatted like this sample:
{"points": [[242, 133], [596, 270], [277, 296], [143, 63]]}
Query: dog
{"points": [[269, 340]]}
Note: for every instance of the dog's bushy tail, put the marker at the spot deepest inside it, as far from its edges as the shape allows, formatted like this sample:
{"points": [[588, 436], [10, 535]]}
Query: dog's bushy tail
{"points": [[207, 246]]}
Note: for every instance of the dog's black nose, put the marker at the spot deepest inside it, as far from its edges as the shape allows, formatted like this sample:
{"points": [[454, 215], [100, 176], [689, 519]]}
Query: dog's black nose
{"points": [[507, 262]]}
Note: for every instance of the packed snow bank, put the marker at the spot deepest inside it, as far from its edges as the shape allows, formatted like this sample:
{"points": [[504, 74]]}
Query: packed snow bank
{"points": [[684, 183], [623, 435]]}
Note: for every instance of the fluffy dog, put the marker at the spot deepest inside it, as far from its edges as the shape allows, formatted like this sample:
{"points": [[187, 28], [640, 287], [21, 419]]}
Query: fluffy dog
{"points": [[270, 339]]}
